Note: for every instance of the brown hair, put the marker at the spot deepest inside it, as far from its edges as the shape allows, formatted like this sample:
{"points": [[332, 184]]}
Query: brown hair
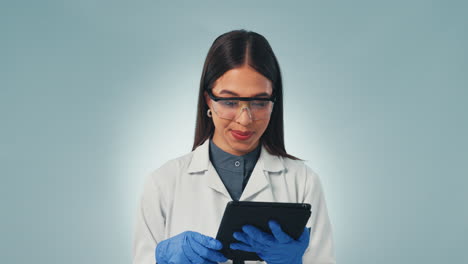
{"points": [[231, 50]]}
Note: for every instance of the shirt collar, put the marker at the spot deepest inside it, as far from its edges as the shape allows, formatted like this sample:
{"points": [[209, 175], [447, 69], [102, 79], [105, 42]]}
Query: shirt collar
{"points": [[227, 161], [200, 159]]}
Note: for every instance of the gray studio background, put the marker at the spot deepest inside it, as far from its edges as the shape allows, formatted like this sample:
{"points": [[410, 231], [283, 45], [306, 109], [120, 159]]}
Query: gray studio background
{"points": [[97, 94]]}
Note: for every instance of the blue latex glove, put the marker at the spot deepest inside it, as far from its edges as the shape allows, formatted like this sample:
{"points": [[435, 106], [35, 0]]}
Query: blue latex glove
{"points": [[278, 248], [189, 247]]}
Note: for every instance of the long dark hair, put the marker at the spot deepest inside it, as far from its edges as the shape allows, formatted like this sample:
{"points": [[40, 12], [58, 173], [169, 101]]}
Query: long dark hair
{"points": [[232, 50]]}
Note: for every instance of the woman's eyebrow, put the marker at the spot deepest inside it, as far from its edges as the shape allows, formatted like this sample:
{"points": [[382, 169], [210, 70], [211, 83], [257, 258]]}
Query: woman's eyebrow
{"points": [[235, 94]]}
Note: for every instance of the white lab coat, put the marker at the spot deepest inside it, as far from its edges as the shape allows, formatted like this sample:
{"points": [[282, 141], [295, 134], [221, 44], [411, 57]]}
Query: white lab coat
{"points": [[186, 193]]}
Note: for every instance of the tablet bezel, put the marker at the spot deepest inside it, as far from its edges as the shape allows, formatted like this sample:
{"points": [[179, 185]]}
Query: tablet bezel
{"points": [[239, 213]]}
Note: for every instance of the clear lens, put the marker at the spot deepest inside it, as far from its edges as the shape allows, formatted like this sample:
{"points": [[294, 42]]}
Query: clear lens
{"points": [[230, 109]]}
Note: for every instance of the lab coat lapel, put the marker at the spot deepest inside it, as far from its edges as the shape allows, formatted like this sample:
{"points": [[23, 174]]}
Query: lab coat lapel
{"points": [[256, 184], [201, 163], [214, 181], [258, 181]]}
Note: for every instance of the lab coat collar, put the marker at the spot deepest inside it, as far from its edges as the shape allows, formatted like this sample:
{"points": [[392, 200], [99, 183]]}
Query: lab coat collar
{"points": [[258, 179], [201, 159]]}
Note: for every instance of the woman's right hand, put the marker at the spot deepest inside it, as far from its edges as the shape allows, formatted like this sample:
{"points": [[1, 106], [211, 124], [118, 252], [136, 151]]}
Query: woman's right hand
{"points": [[189, 247]]}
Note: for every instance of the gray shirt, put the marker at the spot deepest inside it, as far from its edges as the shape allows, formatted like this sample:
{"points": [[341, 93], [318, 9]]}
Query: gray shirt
{"points": [[233, 170]]}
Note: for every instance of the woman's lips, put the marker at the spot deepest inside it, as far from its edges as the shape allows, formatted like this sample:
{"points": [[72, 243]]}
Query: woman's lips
{"points": [[241, 135]]}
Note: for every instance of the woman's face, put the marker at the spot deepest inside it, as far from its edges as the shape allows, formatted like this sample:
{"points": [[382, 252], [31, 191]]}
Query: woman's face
{"points": [[239, 82]]}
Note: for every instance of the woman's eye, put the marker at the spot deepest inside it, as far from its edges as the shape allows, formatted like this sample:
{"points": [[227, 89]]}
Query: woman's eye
{"points": [[229, 103], [259, 104]]}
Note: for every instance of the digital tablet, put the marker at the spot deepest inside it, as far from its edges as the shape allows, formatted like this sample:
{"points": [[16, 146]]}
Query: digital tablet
{"points": [[292, 218]]}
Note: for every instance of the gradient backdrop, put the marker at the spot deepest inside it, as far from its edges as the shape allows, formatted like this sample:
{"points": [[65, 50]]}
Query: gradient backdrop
{"points": [[96, 94]]}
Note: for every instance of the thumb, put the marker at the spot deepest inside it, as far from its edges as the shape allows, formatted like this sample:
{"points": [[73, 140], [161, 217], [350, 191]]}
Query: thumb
{"points": [[305, 236]]}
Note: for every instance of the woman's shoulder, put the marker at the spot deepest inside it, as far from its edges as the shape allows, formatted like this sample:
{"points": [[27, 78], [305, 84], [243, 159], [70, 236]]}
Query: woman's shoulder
{"points": [[299, 167], [166, 174], [289, 162]]}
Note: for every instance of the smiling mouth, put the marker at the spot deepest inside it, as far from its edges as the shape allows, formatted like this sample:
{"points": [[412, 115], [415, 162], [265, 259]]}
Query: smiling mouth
{"points": [[238, 136], [242, 133]]}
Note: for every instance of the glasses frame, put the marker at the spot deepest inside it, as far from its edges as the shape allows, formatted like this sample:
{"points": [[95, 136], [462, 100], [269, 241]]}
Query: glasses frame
{"points": [[215, 98]]}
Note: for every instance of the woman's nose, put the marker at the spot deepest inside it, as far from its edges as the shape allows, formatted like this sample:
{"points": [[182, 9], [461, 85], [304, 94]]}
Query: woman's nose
{"points": [[244, 118]]}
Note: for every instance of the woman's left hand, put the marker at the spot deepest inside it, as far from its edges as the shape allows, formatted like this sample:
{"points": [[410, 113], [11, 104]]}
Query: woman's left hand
{"points": [[278, 248]]}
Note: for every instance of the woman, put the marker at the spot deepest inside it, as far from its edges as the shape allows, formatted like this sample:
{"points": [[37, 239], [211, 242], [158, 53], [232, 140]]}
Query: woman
{"points": [[238, 154]]}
